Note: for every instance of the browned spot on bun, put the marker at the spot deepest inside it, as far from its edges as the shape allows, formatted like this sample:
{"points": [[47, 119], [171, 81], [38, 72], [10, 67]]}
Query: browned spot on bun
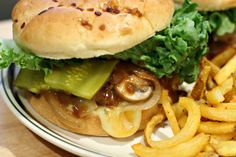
{"points": [[102, 27], [86, 24]]}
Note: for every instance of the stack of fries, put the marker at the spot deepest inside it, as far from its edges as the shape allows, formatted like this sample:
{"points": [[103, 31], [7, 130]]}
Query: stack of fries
{"points": [[204, 123]]}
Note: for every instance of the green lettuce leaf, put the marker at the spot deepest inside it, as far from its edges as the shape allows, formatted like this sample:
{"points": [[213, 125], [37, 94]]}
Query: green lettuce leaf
{"points": [[11, 53], [221, 22], [177, 49]]}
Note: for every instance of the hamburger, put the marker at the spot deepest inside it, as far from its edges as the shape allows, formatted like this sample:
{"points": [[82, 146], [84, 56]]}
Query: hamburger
{"points": [[94, 67]]}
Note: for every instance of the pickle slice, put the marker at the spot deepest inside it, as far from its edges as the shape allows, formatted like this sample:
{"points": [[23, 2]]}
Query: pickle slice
{"points": [[81, 80], [31, 80]]}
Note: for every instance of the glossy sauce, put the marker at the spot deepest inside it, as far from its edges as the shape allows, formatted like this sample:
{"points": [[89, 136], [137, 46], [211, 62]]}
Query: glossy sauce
{"points": [[107, 96]]}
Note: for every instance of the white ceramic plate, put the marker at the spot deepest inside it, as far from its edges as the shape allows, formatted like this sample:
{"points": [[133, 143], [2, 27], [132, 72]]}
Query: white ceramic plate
{"points": [[85, 146]]}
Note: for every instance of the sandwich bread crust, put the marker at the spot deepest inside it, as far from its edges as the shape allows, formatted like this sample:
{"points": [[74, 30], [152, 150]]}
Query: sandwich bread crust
{"points": [[64, 29], [213, 5]]}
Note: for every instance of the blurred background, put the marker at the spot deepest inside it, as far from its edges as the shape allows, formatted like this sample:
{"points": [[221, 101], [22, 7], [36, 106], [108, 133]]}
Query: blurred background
{"points": [[6, 8]]}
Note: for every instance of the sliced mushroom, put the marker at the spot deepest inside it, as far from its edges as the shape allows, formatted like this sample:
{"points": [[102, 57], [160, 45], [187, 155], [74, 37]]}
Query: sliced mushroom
{"points": [[134, 89]]}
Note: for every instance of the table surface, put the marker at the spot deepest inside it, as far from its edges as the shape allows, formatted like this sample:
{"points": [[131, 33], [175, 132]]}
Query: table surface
{"points": [[15, 136]]}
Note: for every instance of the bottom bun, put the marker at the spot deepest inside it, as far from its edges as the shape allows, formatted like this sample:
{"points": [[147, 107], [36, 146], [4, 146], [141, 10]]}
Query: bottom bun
{"points": [[89, 124]]}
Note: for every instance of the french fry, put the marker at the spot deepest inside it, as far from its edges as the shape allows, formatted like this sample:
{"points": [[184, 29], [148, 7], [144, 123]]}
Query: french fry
{"points": [[200, 85], [214, 68], [233, 100], [224, 137], [216, 95], [224, 148], [226, 106], [182, 120], [226, 86], [210, 83], [157, 119], [229, 96], [208, 148], [189, 148], [148, 114], [165, 100], [217, 127], [232, 93], [207, 154], [178, 110], [224, 57], [234, 138], [185, 134], [218, 114], [226, 71]]}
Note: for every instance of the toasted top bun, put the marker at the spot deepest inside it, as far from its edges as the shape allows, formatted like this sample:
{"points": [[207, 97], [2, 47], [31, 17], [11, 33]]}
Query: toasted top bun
{"points": [[63, 29], [213, 5]]}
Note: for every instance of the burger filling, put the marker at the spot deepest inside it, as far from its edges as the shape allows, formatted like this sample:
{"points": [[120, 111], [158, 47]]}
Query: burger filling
{"points": [[120, 82], [127, 91]]}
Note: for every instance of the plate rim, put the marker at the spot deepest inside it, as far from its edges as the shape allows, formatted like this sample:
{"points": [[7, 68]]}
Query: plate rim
{"points": [[36, 127]]}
